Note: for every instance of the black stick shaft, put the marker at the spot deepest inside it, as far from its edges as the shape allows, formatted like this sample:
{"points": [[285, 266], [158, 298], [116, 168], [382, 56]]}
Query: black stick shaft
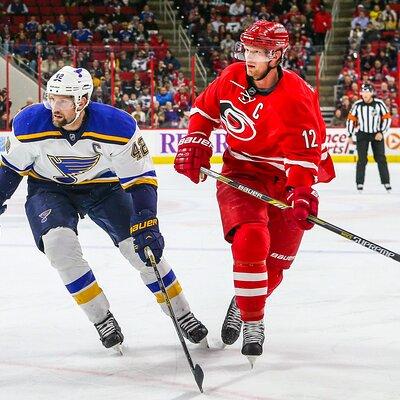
{"points": [[196, 370], [317, 221]]}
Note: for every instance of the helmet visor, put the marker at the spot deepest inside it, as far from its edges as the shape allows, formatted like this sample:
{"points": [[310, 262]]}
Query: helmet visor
{"points": [[251, 54], [58, 102]]}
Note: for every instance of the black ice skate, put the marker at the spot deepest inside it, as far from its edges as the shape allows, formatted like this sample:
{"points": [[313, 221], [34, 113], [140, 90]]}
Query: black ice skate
{"points": [[387, 187], [253, 339], [232, 324], [360, 187], [192, 328], [110, 332]]}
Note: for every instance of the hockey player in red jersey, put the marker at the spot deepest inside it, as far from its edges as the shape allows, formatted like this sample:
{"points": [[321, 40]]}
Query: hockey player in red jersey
{"points": [[275, 138]]}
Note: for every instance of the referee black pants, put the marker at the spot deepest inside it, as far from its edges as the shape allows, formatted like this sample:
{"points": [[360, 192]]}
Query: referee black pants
{"points": [[378, 150]]}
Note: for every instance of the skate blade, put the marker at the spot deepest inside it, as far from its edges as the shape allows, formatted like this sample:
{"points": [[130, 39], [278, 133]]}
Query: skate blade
{"points": [[203, 344], [252, 360], [118, 349]]}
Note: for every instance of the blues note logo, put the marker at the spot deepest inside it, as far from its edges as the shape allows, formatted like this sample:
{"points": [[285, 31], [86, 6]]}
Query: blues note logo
{"points": [[70, 167]]}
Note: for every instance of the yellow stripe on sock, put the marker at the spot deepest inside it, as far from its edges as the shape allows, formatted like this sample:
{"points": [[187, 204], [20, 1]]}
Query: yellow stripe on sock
{"points": [[172, 292], [88, 294]]}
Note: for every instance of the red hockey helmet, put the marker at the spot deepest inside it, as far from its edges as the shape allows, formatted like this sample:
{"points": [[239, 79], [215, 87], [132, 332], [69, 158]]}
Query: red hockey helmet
{"points": [[267, 35]]}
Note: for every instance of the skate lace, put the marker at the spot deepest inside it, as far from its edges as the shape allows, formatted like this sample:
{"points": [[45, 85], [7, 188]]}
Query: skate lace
{"points": [[253, 332], [188, 322], [106, 327], [234, 319]]}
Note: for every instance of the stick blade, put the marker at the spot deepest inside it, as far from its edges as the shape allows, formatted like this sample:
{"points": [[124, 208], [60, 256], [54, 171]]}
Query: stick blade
{"points": [[198, 376]]}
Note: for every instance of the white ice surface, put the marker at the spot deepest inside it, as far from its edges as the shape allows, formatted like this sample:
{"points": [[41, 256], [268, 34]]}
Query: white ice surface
{"points": [[333, 326]]}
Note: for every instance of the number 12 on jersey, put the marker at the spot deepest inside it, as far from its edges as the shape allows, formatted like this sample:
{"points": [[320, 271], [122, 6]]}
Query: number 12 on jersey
{"points": [[310, 138]]}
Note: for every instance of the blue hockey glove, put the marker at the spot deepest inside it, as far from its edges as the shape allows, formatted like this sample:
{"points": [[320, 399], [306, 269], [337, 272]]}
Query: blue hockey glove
{"points": [[145, 232]]}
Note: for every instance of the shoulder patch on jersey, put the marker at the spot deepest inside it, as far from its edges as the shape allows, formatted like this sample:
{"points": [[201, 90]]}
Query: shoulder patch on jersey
{"points": [[108, 124], [34, 123]]}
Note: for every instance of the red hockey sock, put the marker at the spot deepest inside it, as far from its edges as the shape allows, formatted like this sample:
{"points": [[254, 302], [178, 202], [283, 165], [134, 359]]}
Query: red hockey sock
{"points": [[250, 249], [275, 276]]}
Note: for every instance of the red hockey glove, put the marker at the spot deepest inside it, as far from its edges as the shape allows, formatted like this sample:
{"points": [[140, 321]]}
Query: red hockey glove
{"points": [[194, 151], [304, 201]]}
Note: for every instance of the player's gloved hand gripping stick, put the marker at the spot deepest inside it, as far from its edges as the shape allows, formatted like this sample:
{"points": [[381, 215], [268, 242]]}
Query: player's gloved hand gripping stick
{"points": [[146, 233], [194, 151], [310, 218]]}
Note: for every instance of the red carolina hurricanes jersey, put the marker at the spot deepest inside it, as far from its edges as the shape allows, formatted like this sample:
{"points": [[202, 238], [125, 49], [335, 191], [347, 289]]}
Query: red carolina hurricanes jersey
{"points": [[283, 129]]}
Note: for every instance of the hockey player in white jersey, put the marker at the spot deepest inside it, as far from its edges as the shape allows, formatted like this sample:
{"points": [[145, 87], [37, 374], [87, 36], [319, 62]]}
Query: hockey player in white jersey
{"points": [[85, 158]]}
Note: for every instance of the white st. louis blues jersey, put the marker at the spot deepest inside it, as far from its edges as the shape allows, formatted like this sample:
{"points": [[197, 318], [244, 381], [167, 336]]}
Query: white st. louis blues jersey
{"points": [[107, 148]]}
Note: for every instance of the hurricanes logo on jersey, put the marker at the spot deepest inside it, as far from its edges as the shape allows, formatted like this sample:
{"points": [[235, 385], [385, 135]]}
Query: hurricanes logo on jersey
{"points": [[70, 167], [236, 122]]}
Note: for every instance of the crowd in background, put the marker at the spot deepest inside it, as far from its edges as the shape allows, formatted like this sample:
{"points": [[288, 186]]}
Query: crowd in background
{"points": [[371, 57], [86, 32], [215, 26]]}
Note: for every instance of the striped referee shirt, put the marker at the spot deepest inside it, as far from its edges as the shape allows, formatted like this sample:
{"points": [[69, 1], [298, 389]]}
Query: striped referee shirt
{"points": [[371, 117]]}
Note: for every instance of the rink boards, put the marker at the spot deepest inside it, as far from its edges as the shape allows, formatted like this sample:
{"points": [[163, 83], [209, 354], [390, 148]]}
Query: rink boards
{"points": [[163, 143]]}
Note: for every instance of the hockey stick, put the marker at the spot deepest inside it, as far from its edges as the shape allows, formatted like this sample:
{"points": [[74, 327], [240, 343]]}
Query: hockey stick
{"points": [[196, 369], [317, 221]]}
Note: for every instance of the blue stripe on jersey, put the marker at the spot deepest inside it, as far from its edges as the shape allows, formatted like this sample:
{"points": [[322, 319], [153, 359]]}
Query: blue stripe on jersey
{"points": [[13, 167], [167, 279], [130, 178], [82, 282]]}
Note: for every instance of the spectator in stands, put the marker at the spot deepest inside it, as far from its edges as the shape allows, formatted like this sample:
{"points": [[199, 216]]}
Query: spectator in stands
{"points": [[247, 19], [163, 96], [109, 36], [395, 117], [158, 115], [375, 12], [32, 26], [145, 98], [140, 62], [356, 35], [125, 103], [96, 70], [237, 8], [378, 72], [137, 88], [180, 80], [322, 24], [182, 98], [82, 60], [171, 59], [389, 17], [139, 115], [81, 34], [49, 66], [233, 26], [98, 95], [338, 121], [62, 25], [227, 45], [150, 25], [17, 7], [171, 116], [217, 23], [361, 19], [48, 27], [345, 106], [146, 13], [125, 64], [118, 17], [126, 33]]}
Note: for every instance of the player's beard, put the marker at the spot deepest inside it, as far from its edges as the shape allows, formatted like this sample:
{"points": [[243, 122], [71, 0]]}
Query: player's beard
{"points": [[60, 122]]}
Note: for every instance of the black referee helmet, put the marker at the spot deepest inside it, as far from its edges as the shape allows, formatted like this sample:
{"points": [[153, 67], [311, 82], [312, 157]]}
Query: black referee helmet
{"points": [[367, 87]]}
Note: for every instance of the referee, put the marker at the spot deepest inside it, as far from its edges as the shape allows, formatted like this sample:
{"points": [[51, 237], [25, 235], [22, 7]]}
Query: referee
{"points": [[371, 119]]}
